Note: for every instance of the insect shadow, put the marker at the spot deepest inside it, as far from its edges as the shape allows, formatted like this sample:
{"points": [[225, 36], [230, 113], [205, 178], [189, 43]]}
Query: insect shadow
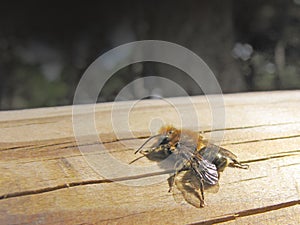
{"points": [[186, 188], [186, 183]]}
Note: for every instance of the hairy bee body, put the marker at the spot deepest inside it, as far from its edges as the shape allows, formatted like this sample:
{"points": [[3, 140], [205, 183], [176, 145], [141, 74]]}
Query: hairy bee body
{"points": [[203, 159]]}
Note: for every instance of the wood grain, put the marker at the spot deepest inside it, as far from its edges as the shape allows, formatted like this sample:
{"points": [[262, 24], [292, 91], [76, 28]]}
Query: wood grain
{"points": [[46, 179]]}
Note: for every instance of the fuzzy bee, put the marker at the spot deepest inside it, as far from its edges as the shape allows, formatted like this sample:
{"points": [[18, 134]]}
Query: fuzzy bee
{"points": [[193, 153]]}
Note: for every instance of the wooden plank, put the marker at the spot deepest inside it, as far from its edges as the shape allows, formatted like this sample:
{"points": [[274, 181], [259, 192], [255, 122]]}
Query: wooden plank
{"points": [[46, 179], [55, 123], [64, 163], [239, 192]]}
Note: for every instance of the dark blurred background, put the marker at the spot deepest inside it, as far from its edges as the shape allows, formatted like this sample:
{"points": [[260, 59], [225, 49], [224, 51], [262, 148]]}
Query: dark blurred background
{"points": [[45, 46]]}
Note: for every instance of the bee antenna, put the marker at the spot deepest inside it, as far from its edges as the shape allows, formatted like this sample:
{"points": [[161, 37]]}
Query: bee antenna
{"points": [[154, 136], [137, 159]]}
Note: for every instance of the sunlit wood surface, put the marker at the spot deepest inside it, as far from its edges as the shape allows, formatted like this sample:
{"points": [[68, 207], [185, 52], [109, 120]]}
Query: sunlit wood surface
{"points": [[45, 179]]}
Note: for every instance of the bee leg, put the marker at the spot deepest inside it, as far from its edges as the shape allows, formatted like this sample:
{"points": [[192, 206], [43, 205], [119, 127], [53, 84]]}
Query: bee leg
{"points": [[171, 181], [237, 164], [200, 189], [145, 151], [200, 192]]}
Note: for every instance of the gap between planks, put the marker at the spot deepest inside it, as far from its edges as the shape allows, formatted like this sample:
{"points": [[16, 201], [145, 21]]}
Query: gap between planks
{"points": [[248, 212]]}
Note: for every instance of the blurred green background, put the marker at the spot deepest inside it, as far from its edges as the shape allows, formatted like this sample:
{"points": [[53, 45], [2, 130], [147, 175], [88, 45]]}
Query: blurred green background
{"points": [[45, 46]]}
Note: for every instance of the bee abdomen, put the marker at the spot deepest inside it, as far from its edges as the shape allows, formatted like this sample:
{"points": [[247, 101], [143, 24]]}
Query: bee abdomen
{"points": [[221, 162]]}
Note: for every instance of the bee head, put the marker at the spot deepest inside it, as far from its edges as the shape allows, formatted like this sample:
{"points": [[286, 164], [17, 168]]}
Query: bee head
{"points": [[169, 134]]}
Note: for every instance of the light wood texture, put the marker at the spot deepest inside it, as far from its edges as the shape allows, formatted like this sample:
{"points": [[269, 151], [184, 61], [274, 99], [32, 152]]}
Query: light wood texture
{"points": [[45, 179]]}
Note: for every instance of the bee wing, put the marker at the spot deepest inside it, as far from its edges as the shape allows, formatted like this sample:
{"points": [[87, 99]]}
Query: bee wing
{"points": [[207, 171], [210, 151], [190, 144], [203, 168]]}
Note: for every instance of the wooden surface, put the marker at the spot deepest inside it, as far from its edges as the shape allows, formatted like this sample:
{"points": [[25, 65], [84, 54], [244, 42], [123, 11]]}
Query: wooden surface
{"points": [[45, 179]]}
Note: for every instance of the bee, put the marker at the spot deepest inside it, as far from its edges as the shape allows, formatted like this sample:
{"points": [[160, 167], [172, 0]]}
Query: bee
{"points": [[205, 160]]}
